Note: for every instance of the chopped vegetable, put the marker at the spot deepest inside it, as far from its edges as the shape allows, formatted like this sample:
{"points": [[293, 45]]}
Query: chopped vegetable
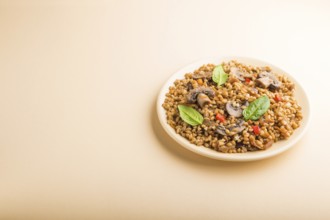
{"points": [[247, 80], [200, 82], [268, 80], [203, 100], [234, 109], [277, 98], [233, 129], [256, 129], [220, 118], [200, 95]]}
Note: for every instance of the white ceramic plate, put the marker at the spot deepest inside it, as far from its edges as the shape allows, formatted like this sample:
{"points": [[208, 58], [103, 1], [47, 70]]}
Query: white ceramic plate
{"points": [[276, 149]]}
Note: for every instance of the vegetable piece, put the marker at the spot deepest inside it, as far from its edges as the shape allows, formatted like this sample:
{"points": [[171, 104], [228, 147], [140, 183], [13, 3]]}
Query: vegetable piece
{"points": [[268, 144], [193, 94], [220, 118], [221, 130], [202, 75], [268, 80], [237, 73], [200, 82], [219, 76], [264, 82], [208, 122], [256, 108], [256, 129], [233, 129], [247, 80], [203, 100], [237, 128], [277, 98], [190, 115], [234, 109]]}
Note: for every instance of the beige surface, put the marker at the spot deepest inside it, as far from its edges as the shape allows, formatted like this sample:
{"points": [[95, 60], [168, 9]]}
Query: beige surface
{"points": [[79, 137]]}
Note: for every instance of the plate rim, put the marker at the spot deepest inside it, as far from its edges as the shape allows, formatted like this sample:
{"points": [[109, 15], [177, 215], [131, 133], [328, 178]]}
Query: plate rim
{"points": [[207, 152]]}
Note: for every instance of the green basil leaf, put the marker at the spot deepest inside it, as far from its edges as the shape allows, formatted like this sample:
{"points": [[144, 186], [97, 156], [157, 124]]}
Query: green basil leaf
{"points": [[219, 76], [256, 108], [190, 115]]}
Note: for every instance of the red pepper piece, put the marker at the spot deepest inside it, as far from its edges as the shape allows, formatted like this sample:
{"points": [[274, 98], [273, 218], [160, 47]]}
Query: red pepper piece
{"points": [[256, 129], [277, 98], [220, 118]]}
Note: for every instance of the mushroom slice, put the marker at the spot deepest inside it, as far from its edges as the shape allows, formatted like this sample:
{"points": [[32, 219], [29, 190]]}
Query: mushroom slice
{"points": [[237, 128], [264, 82], [194, 96], [234, 109], [208, 122], [268, 144], [275, 85], [266, 74], [203, 100], [202, 75], [237, 73], [268, 80], [234, 129], [221, 130]]}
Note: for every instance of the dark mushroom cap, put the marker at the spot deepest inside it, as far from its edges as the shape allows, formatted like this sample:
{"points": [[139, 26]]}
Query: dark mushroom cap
{"points": [[189, 86], [239, 145], [193, 94], [234, 110]]}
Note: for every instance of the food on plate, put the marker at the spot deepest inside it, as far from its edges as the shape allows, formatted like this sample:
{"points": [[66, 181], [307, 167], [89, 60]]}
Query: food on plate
{"points": [[233, 107]]}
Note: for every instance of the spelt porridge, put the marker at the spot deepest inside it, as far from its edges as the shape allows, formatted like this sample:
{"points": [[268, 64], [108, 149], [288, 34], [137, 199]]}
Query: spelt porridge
{"points": [[233, 107]]}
